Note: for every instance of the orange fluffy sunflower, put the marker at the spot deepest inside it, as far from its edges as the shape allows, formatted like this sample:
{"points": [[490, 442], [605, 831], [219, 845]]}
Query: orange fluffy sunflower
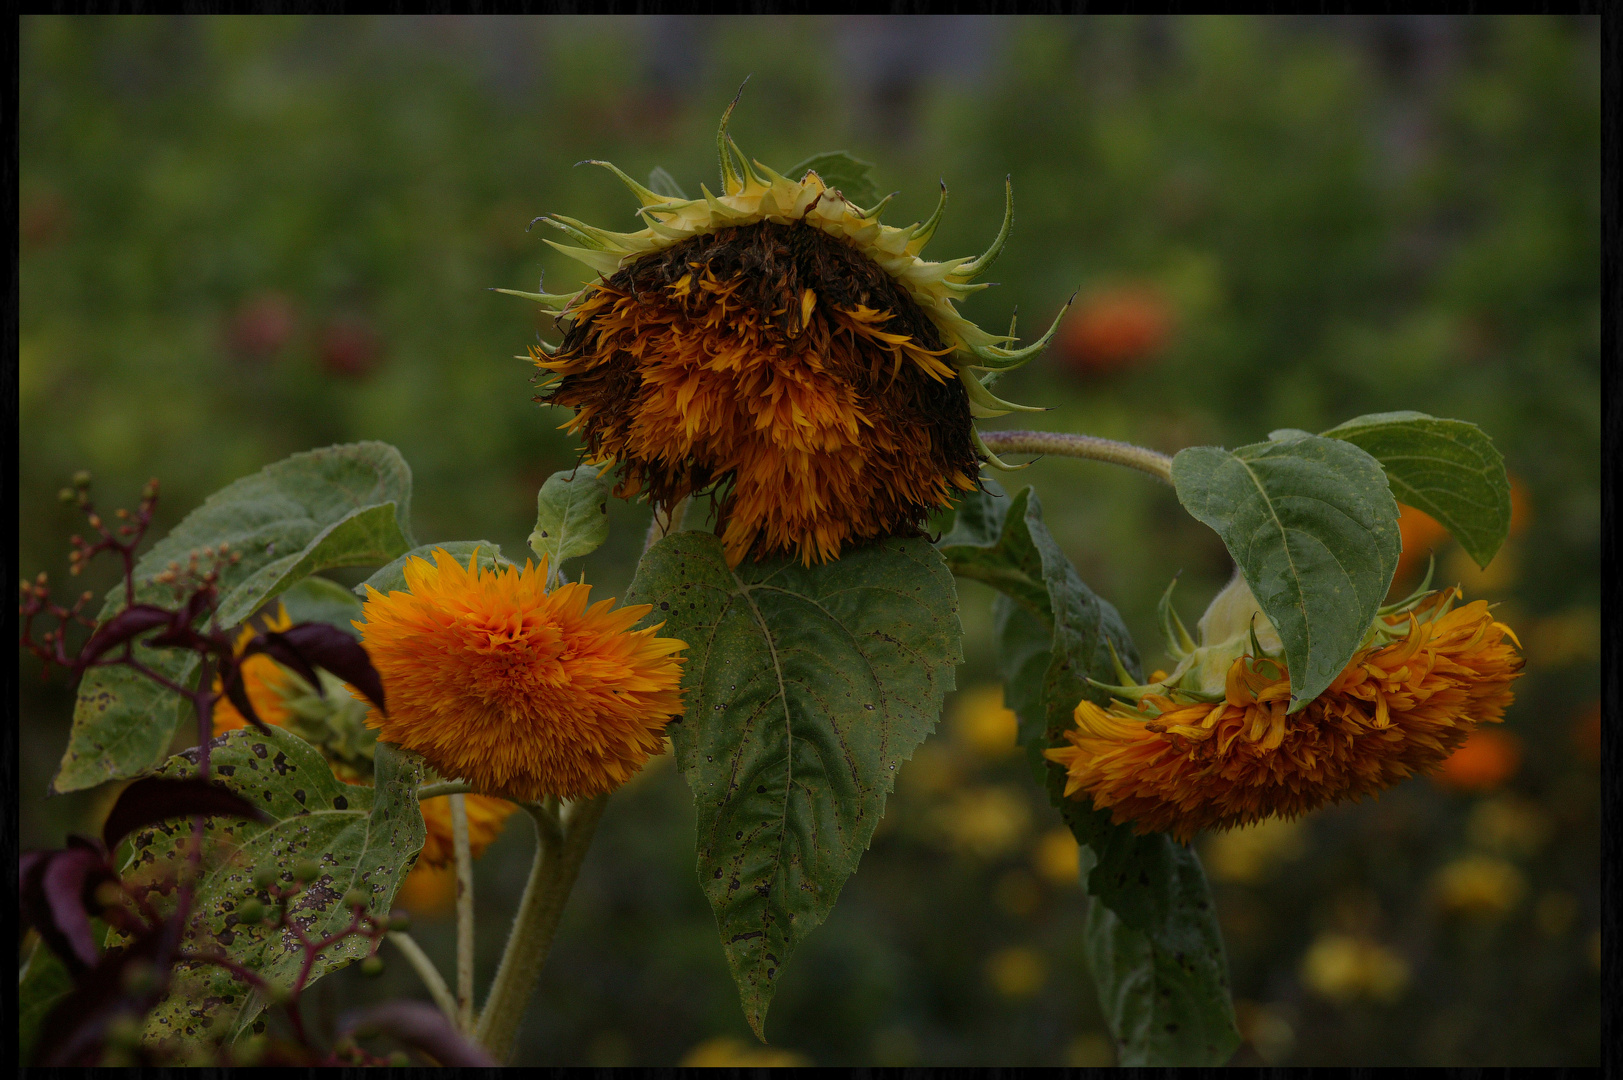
{"points": [[520, 692], [780, 349], [1181, 760]]}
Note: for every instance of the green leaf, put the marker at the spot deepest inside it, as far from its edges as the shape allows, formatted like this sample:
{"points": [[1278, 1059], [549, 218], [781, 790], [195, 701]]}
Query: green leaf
{"points": [[988, 546], [339, 506], [1313, 528], [1155, 949], [663, 183], [392, 578], [850, 175], [571, 515], [42, 983], [805, 688], [316, 599], [362, 838], [1156, 987], [1448, 468]]}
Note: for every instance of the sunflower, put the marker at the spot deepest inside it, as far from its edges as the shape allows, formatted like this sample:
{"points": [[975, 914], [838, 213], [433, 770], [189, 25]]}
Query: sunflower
{"points": [[781, 349], [1179, 755], [521, 692]]}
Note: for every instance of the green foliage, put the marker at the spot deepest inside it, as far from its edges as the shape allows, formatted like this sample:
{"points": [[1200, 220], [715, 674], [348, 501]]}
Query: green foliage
{"points": [[571, 515], [357, 837], [42, 982], [1448, 468], [317, 599], [804, 689], [850, 175], [1313, 527], [339, 506], [392, 578], [1154, 947]]}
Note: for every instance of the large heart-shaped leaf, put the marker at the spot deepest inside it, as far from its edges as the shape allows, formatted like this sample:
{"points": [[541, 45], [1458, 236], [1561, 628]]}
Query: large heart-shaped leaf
{"points": [[1448, 468], [804, 689], [1154, 949], [339, 506], [851, 176], [361, 837], [1313, 528]]}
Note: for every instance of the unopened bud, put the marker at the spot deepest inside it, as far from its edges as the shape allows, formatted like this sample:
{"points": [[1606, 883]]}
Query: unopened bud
{"points": [[251, 912], [265, 877], [81, 479], [399, 921], [108, 894], [95, 521], [372, 965], [354, 898], [140, 977], [67, 495], [306, 870]]}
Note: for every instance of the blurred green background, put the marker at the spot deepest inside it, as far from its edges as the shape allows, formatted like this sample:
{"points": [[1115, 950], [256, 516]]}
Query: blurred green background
{"points": [[243, 237]]}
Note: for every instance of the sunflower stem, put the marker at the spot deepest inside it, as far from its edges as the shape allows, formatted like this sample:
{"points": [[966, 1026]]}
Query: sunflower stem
{"points": [[1080, 446], [444, 787], [464, 913], [561, 844], [426, 970]]}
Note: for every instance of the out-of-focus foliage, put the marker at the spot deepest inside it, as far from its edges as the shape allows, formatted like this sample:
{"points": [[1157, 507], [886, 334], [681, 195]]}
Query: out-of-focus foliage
{"points": [[240, 238]]}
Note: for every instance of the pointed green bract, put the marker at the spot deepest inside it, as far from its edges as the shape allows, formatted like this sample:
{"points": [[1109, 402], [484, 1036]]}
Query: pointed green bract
{"points": [[1448, 468], [804, 689], [1313, 527], [339, 506]]}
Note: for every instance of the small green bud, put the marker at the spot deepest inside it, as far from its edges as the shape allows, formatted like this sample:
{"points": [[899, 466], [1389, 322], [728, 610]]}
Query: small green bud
{"points": [[372, 965], [68, 495], [265, 877], [81, 479], [306, 870], [399, 921], [354, 898], [140, 977], [250, 912]]}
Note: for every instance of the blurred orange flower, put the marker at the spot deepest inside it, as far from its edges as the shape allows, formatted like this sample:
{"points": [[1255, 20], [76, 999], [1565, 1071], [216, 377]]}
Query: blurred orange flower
{"points": [[1586, 732], [1487, 759], [1116, 329]]}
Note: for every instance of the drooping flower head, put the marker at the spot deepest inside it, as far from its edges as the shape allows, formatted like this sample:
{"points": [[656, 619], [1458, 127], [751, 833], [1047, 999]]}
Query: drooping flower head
{"points": [[779, 347], [1211, 745], [521, 692]]}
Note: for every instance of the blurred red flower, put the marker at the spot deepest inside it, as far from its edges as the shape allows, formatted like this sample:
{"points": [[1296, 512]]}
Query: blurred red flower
{"points": [[1487, 759], [1116, 329]]}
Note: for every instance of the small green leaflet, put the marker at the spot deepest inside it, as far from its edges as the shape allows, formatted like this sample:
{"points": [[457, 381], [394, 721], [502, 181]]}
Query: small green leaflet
{"points": [[852, 176], [571, 515], [804, 689], [362, 838], [1448, 468], [1313, 527], [339, 506]]}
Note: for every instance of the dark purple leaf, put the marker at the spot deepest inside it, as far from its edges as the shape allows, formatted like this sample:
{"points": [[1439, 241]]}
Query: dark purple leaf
{"points": [[271, 644], [327, 646], [66, 884], [153, 799], [133, 620], [74, 1030], [36, 910], [236, 691], [418, 1025]]}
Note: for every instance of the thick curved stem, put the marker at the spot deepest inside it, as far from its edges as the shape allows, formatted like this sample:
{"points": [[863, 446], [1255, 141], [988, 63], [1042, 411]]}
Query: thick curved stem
{"points": [[1153, 462], [464, 913], [426, 971], [561, 845], [445, 787]]}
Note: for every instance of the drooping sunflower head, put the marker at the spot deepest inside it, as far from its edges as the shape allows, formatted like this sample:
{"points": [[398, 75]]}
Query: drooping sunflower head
{"points": [[1210, 745], [521, 692], [781, 349]]}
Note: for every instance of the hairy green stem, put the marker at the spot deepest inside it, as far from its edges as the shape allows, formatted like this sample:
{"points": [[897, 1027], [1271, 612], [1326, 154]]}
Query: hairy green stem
{"points": [[1080, 446], [464, 913], [561, 844], [426, 971]]}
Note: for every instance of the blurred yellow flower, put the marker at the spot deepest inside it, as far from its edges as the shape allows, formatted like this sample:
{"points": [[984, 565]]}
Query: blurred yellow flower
{"points": [[1057, 857], [1090, 1051], [986, 822], [1508, 825], [1345, 969], [1567, 637], [933, 769], [428, 891], [1479, 886], [1016, 972], [1247, 854], [725, 1052], [1268, 1032], [981, 721]]}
